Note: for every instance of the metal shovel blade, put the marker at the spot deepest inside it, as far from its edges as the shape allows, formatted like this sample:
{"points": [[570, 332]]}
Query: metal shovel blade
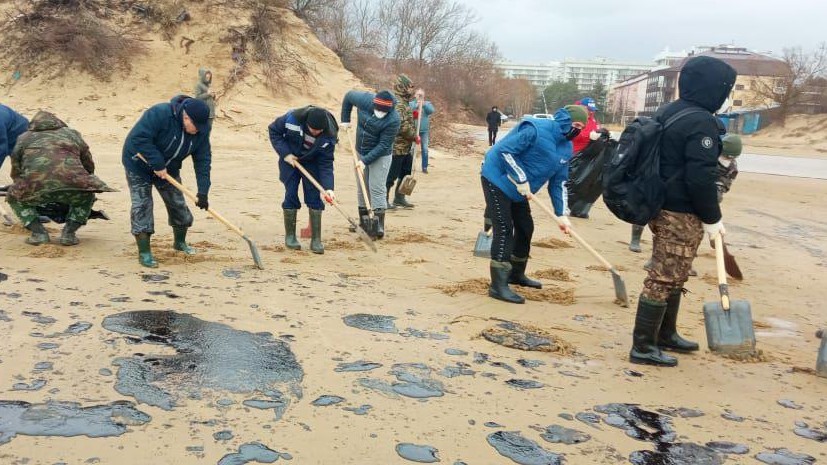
{"points": [[729, 331], [254, 251], [366, 238], [406, 187], [621, 297], [482, 248]]}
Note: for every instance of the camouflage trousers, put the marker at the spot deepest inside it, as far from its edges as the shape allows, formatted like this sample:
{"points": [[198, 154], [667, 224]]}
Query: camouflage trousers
{"points": [[676, 237], [79, 202], [141, 213]]}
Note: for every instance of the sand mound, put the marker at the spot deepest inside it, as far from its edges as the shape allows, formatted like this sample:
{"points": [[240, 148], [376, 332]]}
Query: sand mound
{"points": [[408, 238], [552, 294], [603, 268], [273, 248], [47, 251], [414, 261], [527, 337], [554, 274], [551, 243], [339, 244]]}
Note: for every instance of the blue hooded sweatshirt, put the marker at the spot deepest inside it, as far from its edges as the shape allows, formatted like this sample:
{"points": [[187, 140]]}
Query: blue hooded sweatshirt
{"points": [[160, 137], [12, 126], [536, 151]]}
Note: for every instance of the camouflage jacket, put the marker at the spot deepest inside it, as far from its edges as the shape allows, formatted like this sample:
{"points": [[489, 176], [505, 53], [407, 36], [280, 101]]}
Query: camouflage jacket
{"points": [[407, 130], [49, 158], [726, 174]]}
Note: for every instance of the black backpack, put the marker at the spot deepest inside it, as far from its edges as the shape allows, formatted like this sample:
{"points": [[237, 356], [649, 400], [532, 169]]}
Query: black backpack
{"points": [[632, 187]]}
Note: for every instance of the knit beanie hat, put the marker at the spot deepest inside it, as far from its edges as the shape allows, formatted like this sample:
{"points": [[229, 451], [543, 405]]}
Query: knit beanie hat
{"points": [[199, 113], [383, 101], [731, 146], [578, 113], [317, 119]]}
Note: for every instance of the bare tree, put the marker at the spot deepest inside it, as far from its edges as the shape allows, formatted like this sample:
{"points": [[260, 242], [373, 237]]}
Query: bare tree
{"points": [[788, 89], [307, 9]]}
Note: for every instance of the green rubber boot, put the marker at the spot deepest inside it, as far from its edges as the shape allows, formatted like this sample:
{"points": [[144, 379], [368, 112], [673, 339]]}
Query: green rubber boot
{"points": [[68, 236], [39, 234], [145, 257], [316, 245], [180, 244], [290, 240]]}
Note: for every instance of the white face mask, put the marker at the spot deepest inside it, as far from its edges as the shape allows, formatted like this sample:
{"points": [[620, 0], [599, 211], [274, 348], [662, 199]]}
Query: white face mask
{"points": [[380, 114]]}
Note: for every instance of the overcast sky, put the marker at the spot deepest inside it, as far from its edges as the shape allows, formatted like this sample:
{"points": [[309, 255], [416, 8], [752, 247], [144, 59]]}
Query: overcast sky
{"points": [[529, 31]]}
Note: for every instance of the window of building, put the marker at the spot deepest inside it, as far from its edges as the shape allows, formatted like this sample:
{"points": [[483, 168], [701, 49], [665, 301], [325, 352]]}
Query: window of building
{"points": [[737, 103]]}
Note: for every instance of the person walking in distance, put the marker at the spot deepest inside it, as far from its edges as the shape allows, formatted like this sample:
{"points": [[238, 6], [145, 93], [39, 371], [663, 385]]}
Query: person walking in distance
{"points": [[494, 120], [688, 159]]}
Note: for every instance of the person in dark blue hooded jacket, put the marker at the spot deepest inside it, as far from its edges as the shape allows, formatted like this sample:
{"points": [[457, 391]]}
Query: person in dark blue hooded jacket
{"points": [[12, 126], [306, 135], [534, 153], [154, 149]]}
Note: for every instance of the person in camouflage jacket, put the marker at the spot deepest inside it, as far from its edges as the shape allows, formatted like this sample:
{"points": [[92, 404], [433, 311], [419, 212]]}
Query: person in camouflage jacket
{"points": [[727, 165], [52, 163], [402, 162]]}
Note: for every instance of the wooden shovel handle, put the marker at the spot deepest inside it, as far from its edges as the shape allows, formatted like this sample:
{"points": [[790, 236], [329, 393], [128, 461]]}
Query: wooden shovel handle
{"points": [[723, 288], [191, 195], [359, 173], [418, 124], [573, 233]]}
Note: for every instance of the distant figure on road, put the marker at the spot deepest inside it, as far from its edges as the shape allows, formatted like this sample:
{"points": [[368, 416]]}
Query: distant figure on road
{"points": [[494, 121]]}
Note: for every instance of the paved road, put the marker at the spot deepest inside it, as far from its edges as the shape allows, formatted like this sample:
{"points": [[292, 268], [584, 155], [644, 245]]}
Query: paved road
{"points": [[783, 166]]}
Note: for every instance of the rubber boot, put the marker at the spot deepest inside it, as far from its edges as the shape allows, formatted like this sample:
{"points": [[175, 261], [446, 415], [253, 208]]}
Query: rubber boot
{"points": [[400, 201], [316, 245], [179, 243], [634, 244], [380, 226], [391, 205], [517, 275], [39, 234], [645, 348], [499, 283], [363, 221], [290, 240], [67, 236], [668, 338], [145, 257]]}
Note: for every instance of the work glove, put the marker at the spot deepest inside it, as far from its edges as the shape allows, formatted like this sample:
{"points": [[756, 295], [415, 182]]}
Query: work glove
{"points": [[713, 230], [361, 165], [291, 159], [203, 202], [328, 196], [523, 188], [418, 140], [416, 114], [565, 225], [344, 125], [594, 135]]}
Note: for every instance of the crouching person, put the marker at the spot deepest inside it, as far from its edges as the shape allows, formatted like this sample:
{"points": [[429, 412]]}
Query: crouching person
{"points": [[308, 136], [52, 164], [155, 148], [533, 153]]}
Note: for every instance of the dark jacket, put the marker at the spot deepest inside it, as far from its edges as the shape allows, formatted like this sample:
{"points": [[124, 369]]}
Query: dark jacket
{"points": [[160, 137], [691, 146], [537, 152], [493, 119], [51, 158], [374, 136], [287, 135], [12, 125]]}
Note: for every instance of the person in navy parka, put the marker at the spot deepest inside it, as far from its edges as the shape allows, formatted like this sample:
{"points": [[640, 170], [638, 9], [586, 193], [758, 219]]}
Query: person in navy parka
{"points": [[307, 135], [532, 154]]}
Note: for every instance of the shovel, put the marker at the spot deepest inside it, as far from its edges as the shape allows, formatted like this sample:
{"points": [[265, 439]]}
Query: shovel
{"points": [[188, 193], [360, 178], [406, 187], [7, 219], [361, 232], [621, 298], [482, 248], [728, 323]]}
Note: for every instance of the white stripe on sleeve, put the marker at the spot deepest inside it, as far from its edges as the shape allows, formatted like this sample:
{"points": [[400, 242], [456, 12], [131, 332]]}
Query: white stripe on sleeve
{"points": [[521, 177]]}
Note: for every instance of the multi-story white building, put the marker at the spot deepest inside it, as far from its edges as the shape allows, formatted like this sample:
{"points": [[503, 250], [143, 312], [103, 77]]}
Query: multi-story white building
{"points": [[587, 73], [540, 76]]}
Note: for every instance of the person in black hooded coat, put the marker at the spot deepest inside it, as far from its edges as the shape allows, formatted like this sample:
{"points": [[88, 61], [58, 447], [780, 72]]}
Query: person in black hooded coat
{"points": [[688, 161]]}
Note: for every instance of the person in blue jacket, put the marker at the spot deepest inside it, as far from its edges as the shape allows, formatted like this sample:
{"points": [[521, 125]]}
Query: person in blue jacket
{"points": [[154, 149], [534, 153], [425, 124], [12, 126], [306, 135], [376, 130]]}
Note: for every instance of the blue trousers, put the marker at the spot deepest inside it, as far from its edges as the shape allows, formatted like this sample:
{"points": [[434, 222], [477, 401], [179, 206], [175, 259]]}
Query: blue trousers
{"points": [[312, 196], [424, 136]]}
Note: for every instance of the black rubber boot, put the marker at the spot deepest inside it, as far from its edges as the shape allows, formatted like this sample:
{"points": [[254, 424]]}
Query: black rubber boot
{"points": [[316, 245], [145, 257], [67, 236], [499, 283], [634, 244], [39, 234], [290, 240], [380, 223], [517, 275], [400, 201], [391, 205], [179, 243], [668, 338], [363, 221], [645, 348]]}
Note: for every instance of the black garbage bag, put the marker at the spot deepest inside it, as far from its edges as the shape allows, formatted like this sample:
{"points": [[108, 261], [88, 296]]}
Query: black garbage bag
{"points": [[585, 183], [57, 212]]}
